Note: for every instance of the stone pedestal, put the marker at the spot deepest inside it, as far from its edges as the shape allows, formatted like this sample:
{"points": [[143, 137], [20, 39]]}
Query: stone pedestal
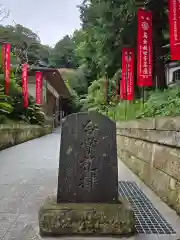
{"points": [[85, 219]]}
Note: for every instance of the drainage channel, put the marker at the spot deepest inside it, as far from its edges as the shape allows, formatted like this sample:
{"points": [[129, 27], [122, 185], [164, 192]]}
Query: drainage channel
{"points": [[148, 218]]}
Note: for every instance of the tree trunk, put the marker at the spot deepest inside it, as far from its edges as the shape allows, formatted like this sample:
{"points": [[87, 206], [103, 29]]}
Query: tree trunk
{"points": [[157, 8]]}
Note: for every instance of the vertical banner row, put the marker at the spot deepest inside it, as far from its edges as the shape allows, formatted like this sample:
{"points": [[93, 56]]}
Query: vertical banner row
{"points": [[6, 56], [144, 58], [127, 82]]}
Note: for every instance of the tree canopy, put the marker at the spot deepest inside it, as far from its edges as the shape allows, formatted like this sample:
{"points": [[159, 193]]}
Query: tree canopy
{"points": [[107, 26], [20, 35], [93, 53]]}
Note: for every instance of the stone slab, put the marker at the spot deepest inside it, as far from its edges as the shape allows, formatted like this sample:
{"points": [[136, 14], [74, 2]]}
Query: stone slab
{"points": [[20, 228], [167, 159], [6, 221], [168, 123], [88, 159], [138, 148], [29, 233], [85, 219], [14, 135], [165, 186], [139, 167], [147, 123], [170, 138]]}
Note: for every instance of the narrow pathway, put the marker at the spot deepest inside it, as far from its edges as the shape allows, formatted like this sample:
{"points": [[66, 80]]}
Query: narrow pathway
{"points": [[28, 174], [149, 209]]}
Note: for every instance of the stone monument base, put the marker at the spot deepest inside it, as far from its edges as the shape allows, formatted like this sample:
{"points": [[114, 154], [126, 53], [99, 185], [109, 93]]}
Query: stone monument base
{"points": [[85, 219]]}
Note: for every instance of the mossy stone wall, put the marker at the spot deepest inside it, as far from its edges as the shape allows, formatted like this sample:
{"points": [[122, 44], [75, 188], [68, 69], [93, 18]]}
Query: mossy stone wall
{"points": [[151, 149], [11, 135]]}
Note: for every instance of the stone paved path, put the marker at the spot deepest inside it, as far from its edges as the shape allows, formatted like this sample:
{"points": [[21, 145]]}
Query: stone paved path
{"points": [[28, 174]]}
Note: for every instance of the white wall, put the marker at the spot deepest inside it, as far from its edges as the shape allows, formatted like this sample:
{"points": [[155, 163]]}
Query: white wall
{"points": [[169, 74]]}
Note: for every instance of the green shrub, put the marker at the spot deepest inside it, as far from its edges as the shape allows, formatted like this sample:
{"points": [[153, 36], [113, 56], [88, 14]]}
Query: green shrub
{"points": [[3, 119], [12, 106], [158, 103], [166, 103]]}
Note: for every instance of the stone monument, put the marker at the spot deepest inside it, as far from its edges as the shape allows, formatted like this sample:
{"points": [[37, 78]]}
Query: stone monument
{"points": [[88, 160], [87, 196]]}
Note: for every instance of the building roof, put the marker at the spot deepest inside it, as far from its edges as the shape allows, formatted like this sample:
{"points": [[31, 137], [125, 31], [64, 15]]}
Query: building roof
{"points": [[65, 70], [166, 46], [53, 76], [144, 2], [172, 64]]}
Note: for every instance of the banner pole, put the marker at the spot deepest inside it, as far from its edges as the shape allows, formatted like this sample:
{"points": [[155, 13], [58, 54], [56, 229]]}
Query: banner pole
{"points": [[143, 89]]}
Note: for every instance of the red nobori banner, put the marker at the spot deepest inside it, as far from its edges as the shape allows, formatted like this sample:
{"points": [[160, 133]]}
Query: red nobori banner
{"points": [[174, 16], [144, 60], [7, 67], [3, 55], [127, 82], [39, 87], [25, 84]]}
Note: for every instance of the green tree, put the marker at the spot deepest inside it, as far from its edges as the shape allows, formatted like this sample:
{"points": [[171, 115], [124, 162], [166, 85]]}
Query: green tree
{"points": [[109, 25], [26, 38], [63, 55], [76, 79]]}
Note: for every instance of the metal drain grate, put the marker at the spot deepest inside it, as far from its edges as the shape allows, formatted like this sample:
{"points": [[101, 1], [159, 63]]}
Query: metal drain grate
{"points": [[148, 219]]}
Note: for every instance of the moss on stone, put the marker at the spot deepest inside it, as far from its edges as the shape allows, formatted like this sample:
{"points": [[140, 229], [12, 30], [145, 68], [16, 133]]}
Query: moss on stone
{"points": [[16, 134], [89, 218]]}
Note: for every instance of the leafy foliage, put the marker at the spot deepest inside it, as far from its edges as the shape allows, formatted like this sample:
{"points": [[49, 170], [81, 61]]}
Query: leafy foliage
{"points": [[23, 36], [12, 106], [164, 103], [107, 26], [93, 53], [95, 99], [159, 103], [63, 55], [76, 79]]}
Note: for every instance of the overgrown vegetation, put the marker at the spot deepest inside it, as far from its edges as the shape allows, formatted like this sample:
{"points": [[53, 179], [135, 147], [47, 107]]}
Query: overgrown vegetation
{"points": [[107, 26], [159, 103]]}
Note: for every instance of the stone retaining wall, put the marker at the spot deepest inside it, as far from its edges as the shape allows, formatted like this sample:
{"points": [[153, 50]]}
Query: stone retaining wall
{"points": [[151, 149], [16, 134]]}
